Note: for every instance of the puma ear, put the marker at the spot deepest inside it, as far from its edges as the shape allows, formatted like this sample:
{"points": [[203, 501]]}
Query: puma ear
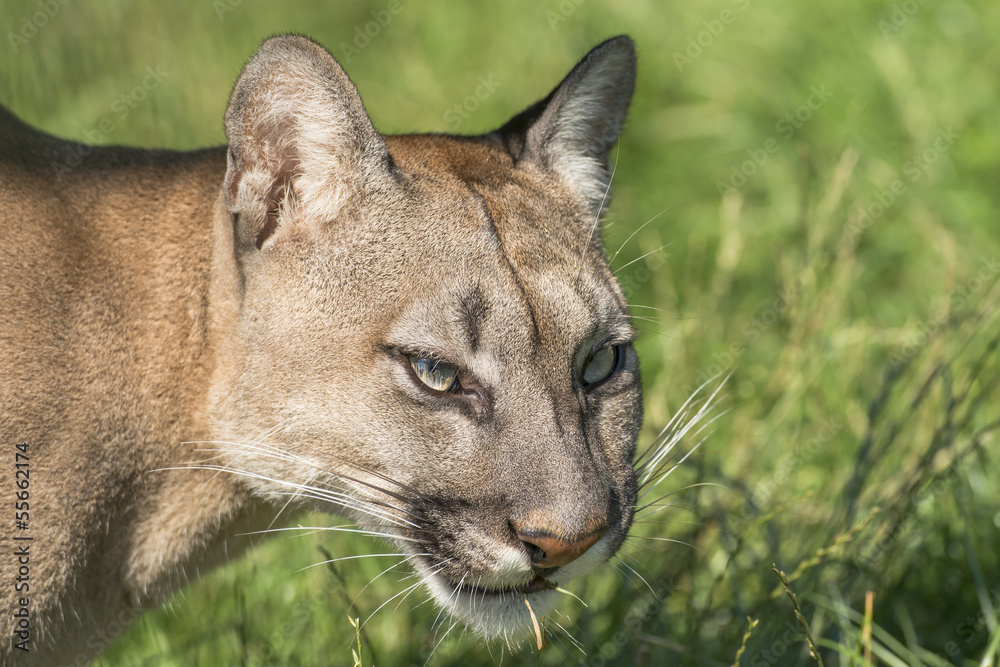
{"points": [[300, 142], [572, 130]]}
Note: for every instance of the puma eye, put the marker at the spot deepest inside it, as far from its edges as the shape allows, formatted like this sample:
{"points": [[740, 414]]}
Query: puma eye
{"points": [[601, 365], [437, 375]]}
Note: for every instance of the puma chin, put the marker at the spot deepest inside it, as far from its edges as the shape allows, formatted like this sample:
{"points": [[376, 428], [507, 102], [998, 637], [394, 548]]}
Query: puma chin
{"points": [[484, 579], [419, 332], [498, 609]]}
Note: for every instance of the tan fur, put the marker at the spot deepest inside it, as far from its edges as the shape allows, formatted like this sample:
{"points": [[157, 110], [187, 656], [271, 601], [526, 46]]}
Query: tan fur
{"points": [[259, 300]]}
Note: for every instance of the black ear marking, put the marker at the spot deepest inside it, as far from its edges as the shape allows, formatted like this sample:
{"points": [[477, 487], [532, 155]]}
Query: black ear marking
{"points": [[572, 130]]}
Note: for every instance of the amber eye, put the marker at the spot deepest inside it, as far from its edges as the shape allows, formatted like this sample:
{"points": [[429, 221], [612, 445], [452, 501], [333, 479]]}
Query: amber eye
{"points": [[437, 375], [601, 365]]}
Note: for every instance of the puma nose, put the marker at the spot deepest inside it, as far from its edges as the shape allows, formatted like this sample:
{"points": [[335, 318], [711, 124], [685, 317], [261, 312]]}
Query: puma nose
{"points": [[546, 550]]}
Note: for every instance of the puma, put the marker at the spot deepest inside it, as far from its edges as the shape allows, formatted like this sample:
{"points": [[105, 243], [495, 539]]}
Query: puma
{"points": [[420, 332]]}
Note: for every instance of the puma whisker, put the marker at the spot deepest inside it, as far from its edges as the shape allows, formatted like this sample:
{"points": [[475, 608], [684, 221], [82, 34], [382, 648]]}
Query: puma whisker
{"points": [[421, 333]]}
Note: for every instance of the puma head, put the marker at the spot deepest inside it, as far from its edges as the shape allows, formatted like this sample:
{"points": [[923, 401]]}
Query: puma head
{"points": [[425, 333]]}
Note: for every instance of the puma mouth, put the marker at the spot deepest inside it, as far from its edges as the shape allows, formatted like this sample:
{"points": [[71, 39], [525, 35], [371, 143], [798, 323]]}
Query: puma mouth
{"points": [[537, 584]]}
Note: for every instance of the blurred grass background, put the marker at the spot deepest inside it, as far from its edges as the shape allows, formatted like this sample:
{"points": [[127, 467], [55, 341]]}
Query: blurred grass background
{"points": [[826, 175]]}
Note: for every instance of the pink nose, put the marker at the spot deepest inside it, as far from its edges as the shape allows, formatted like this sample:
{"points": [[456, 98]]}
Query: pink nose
{"points": [[548, 551]]}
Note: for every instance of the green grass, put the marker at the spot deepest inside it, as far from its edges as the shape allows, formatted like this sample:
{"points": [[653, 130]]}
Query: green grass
{"points": [[857, 450]]}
